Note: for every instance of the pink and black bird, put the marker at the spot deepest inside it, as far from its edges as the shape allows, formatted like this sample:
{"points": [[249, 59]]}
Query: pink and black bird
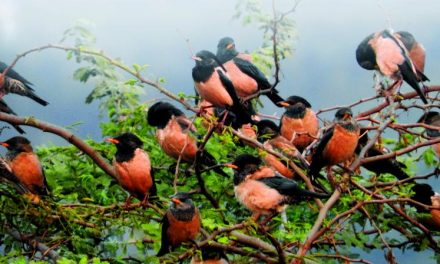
{"points": [[263, 191], [133, 167], [245, 76], [338, 143], [25, 165], [181, 223], [175, 134], [13, 82], [384, 52], [213, 85], [299, 123], [416, 52]]}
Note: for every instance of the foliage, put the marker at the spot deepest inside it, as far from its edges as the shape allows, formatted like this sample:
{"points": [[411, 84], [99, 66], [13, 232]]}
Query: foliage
{"points": [[86, 220]]}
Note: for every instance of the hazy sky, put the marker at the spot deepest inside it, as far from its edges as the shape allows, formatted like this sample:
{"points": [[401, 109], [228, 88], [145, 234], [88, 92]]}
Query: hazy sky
{"points": [[323, 68]]}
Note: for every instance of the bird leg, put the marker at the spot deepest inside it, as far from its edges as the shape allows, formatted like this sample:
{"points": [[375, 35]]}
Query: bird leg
{"points": [[255, 217], [144, 201], [330, 177], [128, 202], [222, 123], [267, 219]]}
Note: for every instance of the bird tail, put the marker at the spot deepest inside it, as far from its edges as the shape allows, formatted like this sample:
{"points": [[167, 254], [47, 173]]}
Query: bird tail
{"points": [[397, 170], [422, 77], [6, 109], [299, 192], [19, 129], [410, 77], [37, 99], [208, 160], [274, 97], [164, 249]]}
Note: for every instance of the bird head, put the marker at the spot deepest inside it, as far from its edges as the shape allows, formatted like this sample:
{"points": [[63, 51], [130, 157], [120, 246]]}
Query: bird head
{"points": [[226, 49], [18, 144], [182, 207], [160, 113], [344, 114], [127, 141], [267, 129]]}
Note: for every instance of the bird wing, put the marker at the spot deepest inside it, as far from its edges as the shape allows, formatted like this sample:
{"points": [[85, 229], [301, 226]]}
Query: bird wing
{"points": [[288, 187], [317, 159], [15, 75], [251, 70], [165, 245]]}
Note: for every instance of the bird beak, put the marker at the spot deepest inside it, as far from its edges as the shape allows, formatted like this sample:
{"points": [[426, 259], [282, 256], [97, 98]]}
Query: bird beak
{"points": [[285, 104], [196, 58], [232, 166], [230, 46], [112, 140], [4, 144], [176, 201], [347, 116]]}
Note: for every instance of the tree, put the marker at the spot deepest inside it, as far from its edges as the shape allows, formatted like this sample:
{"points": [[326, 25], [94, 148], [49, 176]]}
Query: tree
{"points": [[86, 219]]}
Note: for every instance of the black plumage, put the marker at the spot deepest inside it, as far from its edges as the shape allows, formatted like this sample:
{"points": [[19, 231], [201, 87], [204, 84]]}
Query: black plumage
{"points": [[15, 83]]}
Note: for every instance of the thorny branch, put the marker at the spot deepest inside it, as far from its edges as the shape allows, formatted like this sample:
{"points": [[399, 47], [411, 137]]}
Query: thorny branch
{"points": [[316, 231]]}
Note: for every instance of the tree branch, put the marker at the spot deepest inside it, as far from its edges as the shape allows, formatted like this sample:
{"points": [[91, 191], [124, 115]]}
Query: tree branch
{"points": [[67, 135]]}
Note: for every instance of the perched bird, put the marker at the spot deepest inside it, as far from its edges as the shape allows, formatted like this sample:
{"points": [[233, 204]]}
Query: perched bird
{"points": [[263, 191], [13, 82], [384, 52], [25, 165], [424, 194], [432, 118], [132, 166], [338, 143], [299, 123], [213, 84], [174, 134], [245, 76], [416, 52], [268, 134], [5, 109], [391, 165], [180, 223]]}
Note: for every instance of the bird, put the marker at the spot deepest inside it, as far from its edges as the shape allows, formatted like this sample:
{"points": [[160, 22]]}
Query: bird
{"points": [[432, 118], [416, 52], [26, 166], [299, 123], [338, 143], [180, 223], [262, 190], [268, 134], [6, 109], [13, 82], [424, 194], [133, 167], [174, 134], [246, 77], [213, 85], [391, 165], [384, 52]]}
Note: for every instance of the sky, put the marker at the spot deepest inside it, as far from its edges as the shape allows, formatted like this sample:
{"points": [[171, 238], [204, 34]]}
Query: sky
{"points": [[322, 69]]}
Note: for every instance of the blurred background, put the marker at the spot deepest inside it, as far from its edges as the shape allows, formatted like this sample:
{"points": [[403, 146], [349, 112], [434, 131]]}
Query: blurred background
{"points": [[322, 69]]}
